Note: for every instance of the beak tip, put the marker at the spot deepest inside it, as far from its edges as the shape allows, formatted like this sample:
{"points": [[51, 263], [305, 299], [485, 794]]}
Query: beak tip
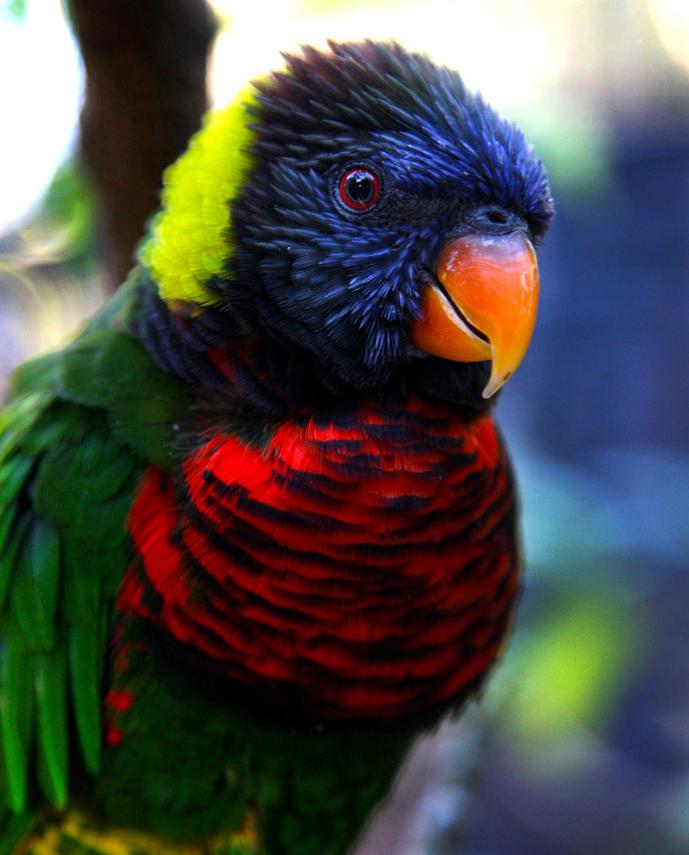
{"points": [[495, 383]]}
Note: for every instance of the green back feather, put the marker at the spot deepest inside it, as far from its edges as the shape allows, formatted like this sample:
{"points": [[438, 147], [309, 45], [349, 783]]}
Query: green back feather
{"points": [[73, 442]]}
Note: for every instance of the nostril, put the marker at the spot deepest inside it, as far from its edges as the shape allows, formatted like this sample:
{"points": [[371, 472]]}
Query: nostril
{"points": [[493, 219], [496, 216]]}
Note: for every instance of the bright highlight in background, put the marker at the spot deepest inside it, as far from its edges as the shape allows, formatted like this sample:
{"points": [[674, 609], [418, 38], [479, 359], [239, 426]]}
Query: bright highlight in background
{"points": [[511, 51], [39, 104], [671, 18]]}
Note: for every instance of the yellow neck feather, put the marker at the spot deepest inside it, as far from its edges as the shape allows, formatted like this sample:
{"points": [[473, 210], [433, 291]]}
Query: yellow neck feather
{"points": [[190, 237]]}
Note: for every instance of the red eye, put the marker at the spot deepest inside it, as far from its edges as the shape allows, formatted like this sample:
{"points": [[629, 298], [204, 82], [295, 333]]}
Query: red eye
{"points": [[359, 188]]}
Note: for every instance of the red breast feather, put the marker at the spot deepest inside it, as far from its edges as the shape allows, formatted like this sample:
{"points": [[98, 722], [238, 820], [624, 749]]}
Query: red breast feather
{"points": [[364, 563]]}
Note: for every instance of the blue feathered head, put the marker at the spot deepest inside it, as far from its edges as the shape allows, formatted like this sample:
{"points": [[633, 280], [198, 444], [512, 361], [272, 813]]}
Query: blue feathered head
{"points": [[366, 162]]}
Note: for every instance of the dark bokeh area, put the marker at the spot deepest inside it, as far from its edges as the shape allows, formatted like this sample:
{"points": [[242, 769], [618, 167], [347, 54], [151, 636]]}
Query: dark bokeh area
{"points": [[581, 742], [604, 400]]}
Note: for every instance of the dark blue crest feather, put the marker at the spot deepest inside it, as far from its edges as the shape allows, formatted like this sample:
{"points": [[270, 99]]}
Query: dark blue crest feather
{"points": [[344, 285]]}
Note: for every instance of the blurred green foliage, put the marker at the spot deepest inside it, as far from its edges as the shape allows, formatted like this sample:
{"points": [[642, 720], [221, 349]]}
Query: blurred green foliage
{"points": [[572, 667], [571, 142], [68, 210], [580, 635], [14, 9]]}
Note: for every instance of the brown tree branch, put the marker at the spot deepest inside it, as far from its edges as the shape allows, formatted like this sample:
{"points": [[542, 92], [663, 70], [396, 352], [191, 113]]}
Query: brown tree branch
{"points": [[145, 66]]}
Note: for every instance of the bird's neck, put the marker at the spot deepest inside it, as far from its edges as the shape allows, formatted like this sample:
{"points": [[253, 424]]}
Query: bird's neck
{"points": [[210, 349]]}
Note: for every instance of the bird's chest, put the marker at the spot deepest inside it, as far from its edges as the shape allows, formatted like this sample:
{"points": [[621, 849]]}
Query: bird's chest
{"points": [[360, 563]]}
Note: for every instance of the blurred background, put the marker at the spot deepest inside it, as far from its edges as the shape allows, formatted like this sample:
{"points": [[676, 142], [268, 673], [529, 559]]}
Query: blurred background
{"points": [[581, 742]]}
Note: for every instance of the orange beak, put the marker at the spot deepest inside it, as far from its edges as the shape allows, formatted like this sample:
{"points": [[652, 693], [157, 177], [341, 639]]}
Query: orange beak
{"points": [[483, 305]]}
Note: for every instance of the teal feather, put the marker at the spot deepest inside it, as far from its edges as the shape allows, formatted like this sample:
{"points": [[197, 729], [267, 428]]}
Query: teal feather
{"points": [[145, 419], [16, 703], [51, 718], [85, 668], [8, 556], [17, 419], [36, 374], [34, 590], [12, 477]]}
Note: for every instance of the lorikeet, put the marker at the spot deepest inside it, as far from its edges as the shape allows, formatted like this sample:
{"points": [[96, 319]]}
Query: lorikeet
{"points": [[257, 527]]}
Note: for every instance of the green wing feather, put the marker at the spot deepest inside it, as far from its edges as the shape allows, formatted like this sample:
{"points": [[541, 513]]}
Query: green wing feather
{"points": [[81, 427]]}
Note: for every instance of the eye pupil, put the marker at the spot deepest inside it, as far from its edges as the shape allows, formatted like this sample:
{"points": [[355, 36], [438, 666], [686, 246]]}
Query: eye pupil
{"points": [[359, 189]]}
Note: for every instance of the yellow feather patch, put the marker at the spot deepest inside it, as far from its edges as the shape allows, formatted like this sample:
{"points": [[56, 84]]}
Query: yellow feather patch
{"points": [[190, 238], [75, 832]]}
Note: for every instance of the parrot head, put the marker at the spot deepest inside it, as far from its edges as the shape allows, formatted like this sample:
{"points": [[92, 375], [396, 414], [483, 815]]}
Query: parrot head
{"points": [[364, 208]]}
